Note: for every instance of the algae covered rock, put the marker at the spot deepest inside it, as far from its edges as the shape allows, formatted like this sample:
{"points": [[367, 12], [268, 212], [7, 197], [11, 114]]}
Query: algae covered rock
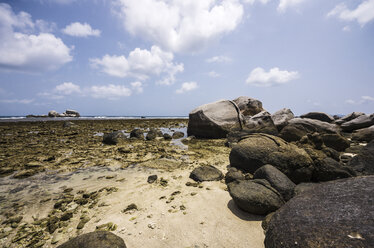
{"points": [[206, 173], [102, 239]]}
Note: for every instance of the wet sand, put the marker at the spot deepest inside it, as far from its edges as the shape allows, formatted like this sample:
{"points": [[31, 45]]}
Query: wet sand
{"points": [[78, 181]]}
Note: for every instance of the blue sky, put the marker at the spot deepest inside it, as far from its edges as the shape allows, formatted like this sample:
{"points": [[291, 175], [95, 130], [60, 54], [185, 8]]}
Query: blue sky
{"points": [[164, 57]]}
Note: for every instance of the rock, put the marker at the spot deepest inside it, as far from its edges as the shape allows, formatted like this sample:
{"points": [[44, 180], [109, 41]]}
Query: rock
{"points": [[363, 163], [364, 134], [131, 207], [68, 124], [260, 123], [167, 136], [299, 127], [67, 216], [277, 180], [349, 117], [333, 214], [300, 188], [152, 179], [113, 138], [214, 120], [151, 135], [358, 123], [254, 197], [335, 141], [260, 149], [248, 106], [102, 239], [137, 133], [178, 135], [266, 221], [52, 113], [281, 118], [319, 116], [206, 173], [233, 174], [72, 113], [329, 169]]}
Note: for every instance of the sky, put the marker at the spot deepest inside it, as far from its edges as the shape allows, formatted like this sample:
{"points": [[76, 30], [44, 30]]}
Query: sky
{"points": [[167, 57]]}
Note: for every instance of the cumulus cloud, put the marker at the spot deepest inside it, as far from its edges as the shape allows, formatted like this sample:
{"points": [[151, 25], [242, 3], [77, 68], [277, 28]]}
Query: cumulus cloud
{"points": [[21, 50], [110, 91], [259, 77], [187, 86], [180, 26], [19, 101], [363, 100], [140, 64], [78, 29], [218, 59], [286, 4], [213, 74], [68, 88], [255, 1], [137, 87], [363, 14]]}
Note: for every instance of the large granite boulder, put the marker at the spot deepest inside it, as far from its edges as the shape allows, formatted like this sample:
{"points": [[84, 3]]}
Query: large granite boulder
{"points": [[72, 113], [333, 214], [319, 116], [53, 113], [255, 196], [277, 180], [329, 169], [335, 141], [281, 118], [100, 239], [206, 173], [214, 120], [349, 117], [260, 123], [248, 106], [364, 134], [259, 149], [358, 123], [363, 163]]}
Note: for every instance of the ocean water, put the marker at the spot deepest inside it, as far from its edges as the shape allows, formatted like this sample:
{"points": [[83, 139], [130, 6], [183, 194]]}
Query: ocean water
{"points": [[23, 118]]}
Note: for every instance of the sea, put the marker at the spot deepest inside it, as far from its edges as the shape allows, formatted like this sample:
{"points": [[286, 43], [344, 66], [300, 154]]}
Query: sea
{"points": [[24, 118]]}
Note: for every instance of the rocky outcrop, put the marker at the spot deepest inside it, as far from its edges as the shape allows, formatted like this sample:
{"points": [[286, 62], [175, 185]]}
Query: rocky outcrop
{"points": [[71, 113], [255, 196], [113, 138], [248, 106], [214, 120], [364, 134], [358, 123], [260, 123], [137, 134], [281, 118], [329, 169], [102, 239], [333, 214], [53, 113], [363, 163], [206, 173], [335, 141], [349, 117], [259, 149], [319, 116], [67, 113], [277, 180]]}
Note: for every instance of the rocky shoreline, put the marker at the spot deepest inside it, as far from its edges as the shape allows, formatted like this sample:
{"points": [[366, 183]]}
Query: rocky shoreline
{"points": [[203, 182]]}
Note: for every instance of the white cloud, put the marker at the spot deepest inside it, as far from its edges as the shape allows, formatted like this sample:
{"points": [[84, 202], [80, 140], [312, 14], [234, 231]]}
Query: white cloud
{"points": [[363, 100], [367, 98], [347, 28], [141, 64], [19, 101], [80, 30], [363, 14], [137, 86], [180, 26], [350, 101], [218, 59], [285, 4], [187, 86], [68, 88], [259, 77], [255, 1], [28, 52], [213, 74], [110, 91]]}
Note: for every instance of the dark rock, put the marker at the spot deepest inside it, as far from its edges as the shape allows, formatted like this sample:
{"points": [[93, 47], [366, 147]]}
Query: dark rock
{"points": [[254, 197], [52, 113], [293, 132], [335, 141], [333, 214], [102, 239], [113, 138], [300, 188], [130, 207], [266, 221], [167, 136], [332, 153], [67, 216], [316, 139], [178, 135], [214, 120], [363, 163], [72, 113], [68, 124], [329, 169], [260, 123], [319, 116], [151, 135], [248, 106], [137, 133], [152, 179], [364, 134], [277, 180], [281, 118], [52, 224], [206, 173], [349, 117], [233, 174], [358, 123], [259, 149]]}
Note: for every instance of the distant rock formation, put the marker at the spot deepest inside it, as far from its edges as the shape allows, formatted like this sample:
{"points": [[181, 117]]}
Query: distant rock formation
{"points": [[53, 114]]}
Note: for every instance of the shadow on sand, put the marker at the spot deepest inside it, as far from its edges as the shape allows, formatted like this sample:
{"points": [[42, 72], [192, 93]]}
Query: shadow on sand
{"points": [[243, 215]]}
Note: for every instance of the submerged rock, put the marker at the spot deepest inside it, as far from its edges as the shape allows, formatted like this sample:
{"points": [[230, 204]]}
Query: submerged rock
{"points": [[334, 214], [102, 239]]}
